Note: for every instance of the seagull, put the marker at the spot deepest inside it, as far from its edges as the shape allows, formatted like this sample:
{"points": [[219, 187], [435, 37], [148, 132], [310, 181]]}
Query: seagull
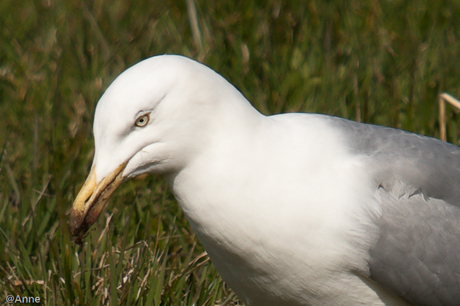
{"points": [[293, 209]]}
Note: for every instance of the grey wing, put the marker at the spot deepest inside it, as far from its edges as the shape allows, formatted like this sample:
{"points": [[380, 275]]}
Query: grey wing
{"points": [[417, 254]]}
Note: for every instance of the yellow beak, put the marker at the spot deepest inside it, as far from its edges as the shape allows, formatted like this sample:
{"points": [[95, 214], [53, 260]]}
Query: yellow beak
{"points": [[91, 200]]}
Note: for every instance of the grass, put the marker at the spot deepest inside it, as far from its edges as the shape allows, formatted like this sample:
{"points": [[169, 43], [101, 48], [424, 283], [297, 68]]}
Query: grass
{"points": [[382, 62]]}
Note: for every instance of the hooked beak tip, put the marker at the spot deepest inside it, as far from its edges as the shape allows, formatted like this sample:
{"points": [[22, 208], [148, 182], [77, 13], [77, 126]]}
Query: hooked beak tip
{"points": [[91, 200]]}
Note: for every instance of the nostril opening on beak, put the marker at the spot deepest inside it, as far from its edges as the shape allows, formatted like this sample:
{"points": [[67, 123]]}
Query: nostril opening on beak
{"points": [[86, 199]]}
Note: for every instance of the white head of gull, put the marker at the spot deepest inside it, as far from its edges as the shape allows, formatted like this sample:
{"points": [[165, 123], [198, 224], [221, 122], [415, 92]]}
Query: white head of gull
{"points": [[293, 209]]}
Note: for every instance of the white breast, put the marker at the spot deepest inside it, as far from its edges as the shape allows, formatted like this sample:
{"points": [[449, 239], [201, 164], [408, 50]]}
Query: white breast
{"points": [[285, 223]]}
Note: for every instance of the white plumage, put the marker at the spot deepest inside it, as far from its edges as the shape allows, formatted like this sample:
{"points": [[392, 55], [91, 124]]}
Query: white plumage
{"points": [[289, 207]]}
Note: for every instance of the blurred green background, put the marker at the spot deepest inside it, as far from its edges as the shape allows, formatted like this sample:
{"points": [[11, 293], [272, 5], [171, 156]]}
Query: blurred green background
{"points": [[382, 62]]}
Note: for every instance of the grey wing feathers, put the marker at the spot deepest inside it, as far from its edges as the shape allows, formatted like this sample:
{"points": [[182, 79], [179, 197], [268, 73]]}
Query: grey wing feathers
{"points": [[418, 251], [425, 163], [417, 182]]}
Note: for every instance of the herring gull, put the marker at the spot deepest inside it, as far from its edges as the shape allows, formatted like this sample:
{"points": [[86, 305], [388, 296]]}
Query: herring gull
{"points": [[293, 209]]}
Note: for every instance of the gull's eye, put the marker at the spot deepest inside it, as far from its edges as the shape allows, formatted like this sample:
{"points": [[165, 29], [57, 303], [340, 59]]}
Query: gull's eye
{"points": [[142, 120]]}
